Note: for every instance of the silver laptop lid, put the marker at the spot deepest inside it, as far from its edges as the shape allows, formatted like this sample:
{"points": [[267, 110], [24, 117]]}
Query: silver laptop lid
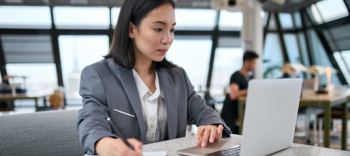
{"points": [[270, 116]]}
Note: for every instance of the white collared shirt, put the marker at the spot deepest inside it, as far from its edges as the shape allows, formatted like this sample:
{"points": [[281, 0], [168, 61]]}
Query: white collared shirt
{"points": [[153, 108]]}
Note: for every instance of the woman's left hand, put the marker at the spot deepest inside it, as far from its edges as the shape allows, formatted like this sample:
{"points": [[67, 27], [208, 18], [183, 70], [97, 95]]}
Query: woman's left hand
{"points": [[209, 133]]}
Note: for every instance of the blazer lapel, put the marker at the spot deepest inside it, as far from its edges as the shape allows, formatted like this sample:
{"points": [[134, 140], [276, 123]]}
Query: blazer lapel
{"points": [[127, 79], [168, 88]]}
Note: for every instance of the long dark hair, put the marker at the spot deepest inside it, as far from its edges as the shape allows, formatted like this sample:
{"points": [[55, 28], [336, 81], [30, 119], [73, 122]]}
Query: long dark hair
{"points": [[121, 49]]}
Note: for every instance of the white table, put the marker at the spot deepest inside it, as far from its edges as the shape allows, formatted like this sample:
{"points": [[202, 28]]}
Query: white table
{"points": [[172, 146]]}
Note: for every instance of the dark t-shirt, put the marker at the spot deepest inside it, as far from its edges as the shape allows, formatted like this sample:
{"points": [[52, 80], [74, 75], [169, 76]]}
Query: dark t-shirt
{"points": [[230, 108]]}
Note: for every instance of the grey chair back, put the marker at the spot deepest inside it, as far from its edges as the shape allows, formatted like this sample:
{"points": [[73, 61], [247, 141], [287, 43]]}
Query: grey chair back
{"points": [[52, 133]]}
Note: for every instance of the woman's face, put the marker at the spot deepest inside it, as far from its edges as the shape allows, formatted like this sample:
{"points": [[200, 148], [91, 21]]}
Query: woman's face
{"points": [[155, 34]]}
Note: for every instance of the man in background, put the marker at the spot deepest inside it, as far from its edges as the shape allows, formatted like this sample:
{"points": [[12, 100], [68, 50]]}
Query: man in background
{"points": [[238, 87]]}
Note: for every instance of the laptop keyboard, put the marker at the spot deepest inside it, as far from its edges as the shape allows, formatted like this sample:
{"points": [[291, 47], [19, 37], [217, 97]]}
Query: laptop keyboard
{"points": [[227, 152]]}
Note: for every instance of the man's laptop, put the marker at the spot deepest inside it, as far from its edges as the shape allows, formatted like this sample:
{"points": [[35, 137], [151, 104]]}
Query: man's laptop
{"points": [[269, 121]]}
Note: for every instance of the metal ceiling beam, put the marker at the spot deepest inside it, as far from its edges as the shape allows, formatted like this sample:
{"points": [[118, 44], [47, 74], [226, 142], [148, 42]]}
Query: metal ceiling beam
{"points": [[215, 38], [306, 36], [280, 34], [56, 50], [3, 63]]}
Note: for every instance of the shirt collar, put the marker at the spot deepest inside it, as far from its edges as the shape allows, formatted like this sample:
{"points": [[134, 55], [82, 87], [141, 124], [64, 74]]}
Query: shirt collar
{"points": [[143, 89]]}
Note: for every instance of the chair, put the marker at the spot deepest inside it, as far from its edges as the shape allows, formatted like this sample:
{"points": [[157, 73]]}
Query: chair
{"points": [[336, 114], [51, 133], [57, 100]]}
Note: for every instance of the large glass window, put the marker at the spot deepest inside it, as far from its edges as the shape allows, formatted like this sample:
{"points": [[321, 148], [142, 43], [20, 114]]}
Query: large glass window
{"points": [[25, 17], [273, 58], [297, 19], [292, 48], [27, 48], [193, 55], [195, 19], [227, 60], [329, 10], [77, 52], [272, 23], [286, 20], [343, 65], [81, 17], [321, 57], [115, 15], [230, 20], [37, 80]]}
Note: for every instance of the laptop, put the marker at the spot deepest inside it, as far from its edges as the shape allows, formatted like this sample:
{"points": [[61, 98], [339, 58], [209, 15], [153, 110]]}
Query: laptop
{"points": [[269, 121]]}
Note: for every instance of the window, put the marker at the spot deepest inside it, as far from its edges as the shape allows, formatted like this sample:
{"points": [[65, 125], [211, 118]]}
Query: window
{"points": [[297, 20], [227, 61], [316, 14], [338, 37], [292, 48], [27, 48], [193, 55], [272, 23], [81, 17], [342, 65], [332, 9], [25, 17], [77, 52], [346, 57], [115, 15], [329, 10], [273, 58], [286, 20], [321, 57], [230, 20], [304, 52], [195, 19], [37, 80]]}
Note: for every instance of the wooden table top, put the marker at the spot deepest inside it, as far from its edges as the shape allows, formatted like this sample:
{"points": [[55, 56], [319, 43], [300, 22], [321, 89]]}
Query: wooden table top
{"points": [[29, 95], [311, 96]]}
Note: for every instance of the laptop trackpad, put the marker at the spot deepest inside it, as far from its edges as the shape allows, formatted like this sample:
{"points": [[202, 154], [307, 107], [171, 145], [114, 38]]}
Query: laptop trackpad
{"points": [[212, 147]]}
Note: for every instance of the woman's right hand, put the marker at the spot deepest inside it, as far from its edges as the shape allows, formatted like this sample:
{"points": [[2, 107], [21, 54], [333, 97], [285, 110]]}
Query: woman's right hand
{"points": [[116, 147]]}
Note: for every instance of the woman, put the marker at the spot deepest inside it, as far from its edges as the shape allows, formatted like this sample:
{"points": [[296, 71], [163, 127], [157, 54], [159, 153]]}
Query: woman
{"points": [[149, 98]]}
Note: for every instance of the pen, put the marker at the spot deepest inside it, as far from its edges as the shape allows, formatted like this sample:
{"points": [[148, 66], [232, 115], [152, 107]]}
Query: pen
{"points": [[119, 133]]}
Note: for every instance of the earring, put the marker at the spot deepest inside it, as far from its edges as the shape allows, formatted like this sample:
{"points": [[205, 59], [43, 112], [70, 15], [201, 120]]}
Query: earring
{"points": [[131, 36]]}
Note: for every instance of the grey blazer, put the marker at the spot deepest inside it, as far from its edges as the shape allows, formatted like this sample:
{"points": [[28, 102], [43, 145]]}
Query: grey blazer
{"points": [[106, 86]]}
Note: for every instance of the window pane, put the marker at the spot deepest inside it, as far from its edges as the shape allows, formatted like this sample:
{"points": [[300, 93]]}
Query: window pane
{"points": [[27, 48], [286, 20], [346, 57], [81, 17], [37, 79], [230, 20], [25, 17], [226, 62], [115, 16], [316, 15], [195, 19], [304, 52], [183, 52], [77, 52], [321, 57], [342, 65], [273, 58], [292, 48], [297, 19], [272, 24], [332, 9]]}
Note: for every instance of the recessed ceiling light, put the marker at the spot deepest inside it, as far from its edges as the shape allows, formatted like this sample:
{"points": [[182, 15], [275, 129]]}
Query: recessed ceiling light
{"points": [[78, 1], [13, 1], [46, 1], [200, 4]]}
